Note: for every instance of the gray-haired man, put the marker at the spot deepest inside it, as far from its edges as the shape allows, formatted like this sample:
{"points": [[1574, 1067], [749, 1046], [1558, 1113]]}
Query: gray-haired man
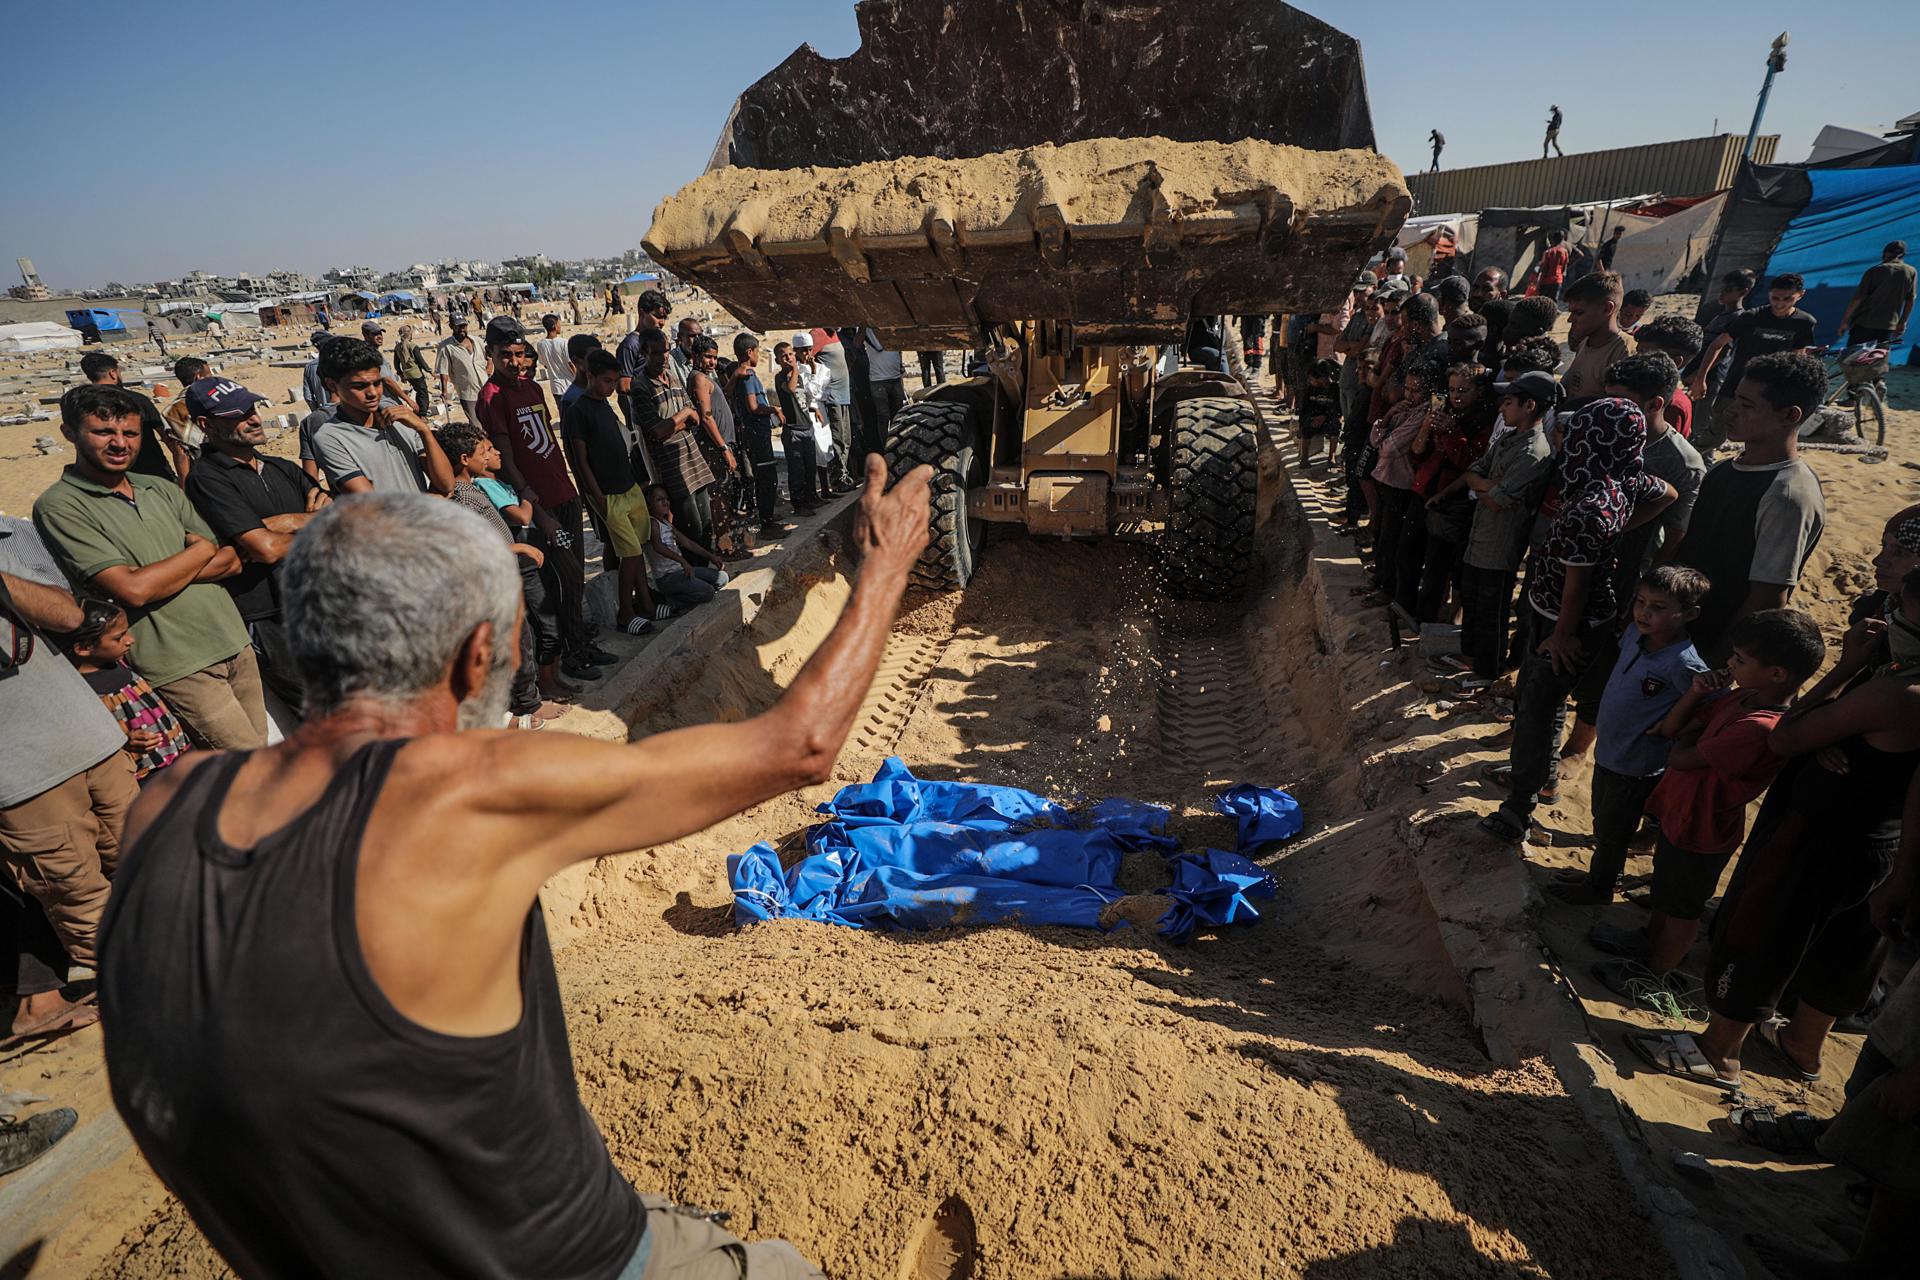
{"points": [[350, 922]]}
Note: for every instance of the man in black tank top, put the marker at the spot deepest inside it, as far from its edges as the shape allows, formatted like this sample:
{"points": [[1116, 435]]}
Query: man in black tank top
{"points": [[332, 1020]]}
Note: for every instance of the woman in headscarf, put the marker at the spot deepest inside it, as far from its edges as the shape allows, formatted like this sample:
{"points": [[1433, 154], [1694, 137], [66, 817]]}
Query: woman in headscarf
{"points": [[1604, 491]]}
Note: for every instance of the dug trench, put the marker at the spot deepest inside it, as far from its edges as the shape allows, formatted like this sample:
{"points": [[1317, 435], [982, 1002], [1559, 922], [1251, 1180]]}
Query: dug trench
{"points": [[1355, 1085]]}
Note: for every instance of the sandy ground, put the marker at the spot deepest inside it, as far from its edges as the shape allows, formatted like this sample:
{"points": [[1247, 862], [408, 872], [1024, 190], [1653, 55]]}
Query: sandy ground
{"points": [[1310, 1096]]}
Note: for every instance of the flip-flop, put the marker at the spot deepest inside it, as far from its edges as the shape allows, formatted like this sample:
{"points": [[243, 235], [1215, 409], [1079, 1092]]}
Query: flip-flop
{"points": [[1677, 1053], [1790, 1133], [1503, 828], [638, 626], [1769, 1034], [58, 1023], [1501, 775]]}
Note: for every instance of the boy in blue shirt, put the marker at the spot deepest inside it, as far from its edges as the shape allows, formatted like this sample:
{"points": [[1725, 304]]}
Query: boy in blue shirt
{"points": [[1655, 669]]}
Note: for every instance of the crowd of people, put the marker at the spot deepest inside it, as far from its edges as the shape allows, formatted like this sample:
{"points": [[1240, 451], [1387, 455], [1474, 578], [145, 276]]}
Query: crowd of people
{"points": [[1622, 591], [144, 605], [1618, 527]]}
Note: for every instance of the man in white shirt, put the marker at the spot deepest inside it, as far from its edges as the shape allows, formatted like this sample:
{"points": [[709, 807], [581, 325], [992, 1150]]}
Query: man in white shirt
{"points": [[556, 367], [814, 378], [462, 362]]}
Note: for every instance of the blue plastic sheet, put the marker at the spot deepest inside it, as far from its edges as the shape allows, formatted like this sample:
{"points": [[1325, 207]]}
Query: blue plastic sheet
{"points": [[1265, 814], [1840, 233], [906, 853]]}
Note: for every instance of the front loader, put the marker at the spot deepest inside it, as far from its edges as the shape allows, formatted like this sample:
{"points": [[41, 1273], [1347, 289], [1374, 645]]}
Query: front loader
{"points": [[1028, 219]]}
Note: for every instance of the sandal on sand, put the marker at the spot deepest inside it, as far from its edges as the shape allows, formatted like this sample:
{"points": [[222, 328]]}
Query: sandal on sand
{"points": [[1677, 1053], [1769, 1033], [58, 1023], [1501, 826], [1791, 1133]]}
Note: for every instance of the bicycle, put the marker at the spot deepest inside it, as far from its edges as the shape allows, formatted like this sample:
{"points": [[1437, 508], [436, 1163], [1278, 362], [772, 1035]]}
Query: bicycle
{"points": [[1862, 387]]}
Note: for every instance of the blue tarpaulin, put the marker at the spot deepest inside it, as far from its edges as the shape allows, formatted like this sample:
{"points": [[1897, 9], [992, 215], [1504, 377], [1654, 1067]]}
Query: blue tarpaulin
{"points": [[1264, 815], [1840, 232], [906, 853]]}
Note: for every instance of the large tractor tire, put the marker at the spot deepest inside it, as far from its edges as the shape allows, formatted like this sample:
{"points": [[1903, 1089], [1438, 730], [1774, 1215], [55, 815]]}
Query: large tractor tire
{"points": [[941, 434], [1213, 480]]}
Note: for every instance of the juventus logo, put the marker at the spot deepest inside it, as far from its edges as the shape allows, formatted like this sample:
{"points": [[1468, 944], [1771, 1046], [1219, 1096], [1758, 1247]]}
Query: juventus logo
{"points": [[533, 429]]}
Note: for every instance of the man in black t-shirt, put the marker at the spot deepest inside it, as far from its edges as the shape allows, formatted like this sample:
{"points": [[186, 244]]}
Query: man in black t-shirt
{"points": [[611, 483], [254, 503], [1779, 326]]}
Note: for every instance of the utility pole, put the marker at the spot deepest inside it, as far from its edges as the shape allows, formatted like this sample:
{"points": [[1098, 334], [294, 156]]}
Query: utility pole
{"points": [[1776, 63]]}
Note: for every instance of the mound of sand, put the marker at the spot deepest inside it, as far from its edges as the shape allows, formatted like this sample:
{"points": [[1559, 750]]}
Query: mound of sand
{"points": [[1105, 182]]}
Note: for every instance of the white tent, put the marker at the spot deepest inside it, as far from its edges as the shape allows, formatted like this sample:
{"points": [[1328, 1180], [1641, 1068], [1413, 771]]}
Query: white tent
{"points": [[1656, 254], [1836, 140], [38, 335]]}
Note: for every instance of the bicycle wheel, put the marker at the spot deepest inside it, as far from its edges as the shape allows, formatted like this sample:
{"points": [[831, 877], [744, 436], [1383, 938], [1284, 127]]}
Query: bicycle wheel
{"points": [[1877, 403]]}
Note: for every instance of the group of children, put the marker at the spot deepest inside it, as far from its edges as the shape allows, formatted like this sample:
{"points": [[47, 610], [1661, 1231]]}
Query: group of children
{"points": [[1557, 509]]}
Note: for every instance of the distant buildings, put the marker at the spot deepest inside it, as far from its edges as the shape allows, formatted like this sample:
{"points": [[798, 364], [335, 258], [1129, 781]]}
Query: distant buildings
{"points": [[420, 276]]}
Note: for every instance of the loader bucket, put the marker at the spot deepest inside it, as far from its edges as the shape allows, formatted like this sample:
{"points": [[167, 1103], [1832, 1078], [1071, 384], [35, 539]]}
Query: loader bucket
{"points": [[970, 77], [1126, 239]]}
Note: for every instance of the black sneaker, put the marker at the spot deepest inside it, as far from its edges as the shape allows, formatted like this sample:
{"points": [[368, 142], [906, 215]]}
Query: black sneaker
{"points": [[24, 1141], [599, 657], [578, 669]]}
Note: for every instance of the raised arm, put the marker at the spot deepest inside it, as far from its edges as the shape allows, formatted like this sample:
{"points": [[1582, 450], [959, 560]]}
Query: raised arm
{"points": [[579, 799]]}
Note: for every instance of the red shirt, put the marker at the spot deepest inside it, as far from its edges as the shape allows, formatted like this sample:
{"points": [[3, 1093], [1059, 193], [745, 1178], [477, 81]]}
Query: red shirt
{"points": [[1705, 810], [1680, 412], [1553, 264], [517, 413]]}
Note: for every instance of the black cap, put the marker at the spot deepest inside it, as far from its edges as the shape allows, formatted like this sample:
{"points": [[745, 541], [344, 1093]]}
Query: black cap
{"points": [[504, 329], [1534, 385]]}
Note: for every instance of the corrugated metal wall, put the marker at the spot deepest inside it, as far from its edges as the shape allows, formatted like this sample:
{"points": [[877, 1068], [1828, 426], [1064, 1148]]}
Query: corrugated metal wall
{"points": [[1690, 167]]}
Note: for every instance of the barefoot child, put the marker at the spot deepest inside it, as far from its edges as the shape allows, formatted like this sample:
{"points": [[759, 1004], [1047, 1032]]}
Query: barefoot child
{"points": [[98, 648], [678, 578]]}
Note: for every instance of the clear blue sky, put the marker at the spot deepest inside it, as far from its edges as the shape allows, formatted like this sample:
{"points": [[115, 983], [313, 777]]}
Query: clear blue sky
{"points": [[389, 133]]}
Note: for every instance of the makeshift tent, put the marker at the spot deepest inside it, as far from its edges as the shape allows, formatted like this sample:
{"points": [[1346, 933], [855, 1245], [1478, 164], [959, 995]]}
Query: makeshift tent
{"points": [[37, 335], [97, 318], [1665, 242], [1840, 233], [1836, 141], [1513, 239], [1843, 236]]}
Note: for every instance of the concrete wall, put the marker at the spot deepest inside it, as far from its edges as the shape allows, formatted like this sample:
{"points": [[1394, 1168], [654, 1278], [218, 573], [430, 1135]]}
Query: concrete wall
{"points": [[1690, 167]]}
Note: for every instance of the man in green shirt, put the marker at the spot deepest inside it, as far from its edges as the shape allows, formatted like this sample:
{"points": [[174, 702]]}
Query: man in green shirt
{"points": [[139, 542], [1882, 301]]}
